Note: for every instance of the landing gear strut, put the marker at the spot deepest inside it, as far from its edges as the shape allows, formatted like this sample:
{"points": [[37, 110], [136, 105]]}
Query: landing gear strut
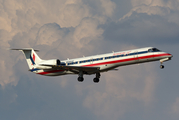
{"points": [[80, 78], [96, 79]]}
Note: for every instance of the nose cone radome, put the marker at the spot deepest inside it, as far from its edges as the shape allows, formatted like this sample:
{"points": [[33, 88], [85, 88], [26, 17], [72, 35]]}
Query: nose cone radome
{"points": [[170, 55]]}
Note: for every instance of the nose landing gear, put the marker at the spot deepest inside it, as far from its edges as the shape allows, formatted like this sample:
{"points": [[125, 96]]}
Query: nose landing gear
{"points": [[163, 60], [161, 66]]}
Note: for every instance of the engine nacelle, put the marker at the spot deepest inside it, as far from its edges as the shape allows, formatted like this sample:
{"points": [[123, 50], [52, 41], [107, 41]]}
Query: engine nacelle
{"points": [[50, 62]]}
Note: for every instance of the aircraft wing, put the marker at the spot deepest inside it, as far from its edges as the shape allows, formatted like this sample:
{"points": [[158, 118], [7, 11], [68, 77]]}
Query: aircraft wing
{"points": [[74, 69]]}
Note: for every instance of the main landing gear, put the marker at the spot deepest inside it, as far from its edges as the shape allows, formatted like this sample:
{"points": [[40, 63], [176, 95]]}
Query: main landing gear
{"points": [[96, 79], [81, 79]]}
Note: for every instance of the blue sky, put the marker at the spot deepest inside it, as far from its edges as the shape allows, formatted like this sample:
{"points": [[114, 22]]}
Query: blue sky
{"points": [[72, 28]]}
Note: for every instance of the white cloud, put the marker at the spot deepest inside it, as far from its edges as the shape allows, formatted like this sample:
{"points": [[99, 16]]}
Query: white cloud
{"points": [[87, 31], [153, 7], [49, 33], [50, 23], [108, 7]]}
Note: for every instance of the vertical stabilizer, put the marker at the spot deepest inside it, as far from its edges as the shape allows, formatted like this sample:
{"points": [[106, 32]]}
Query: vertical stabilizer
{"points": [[31, 57]]}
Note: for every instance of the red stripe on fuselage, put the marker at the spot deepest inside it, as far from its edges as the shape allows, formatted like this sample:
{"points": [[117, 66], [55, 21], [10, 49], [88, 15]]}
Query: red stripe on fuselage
{"points": [[112, 62], [129, 59]]}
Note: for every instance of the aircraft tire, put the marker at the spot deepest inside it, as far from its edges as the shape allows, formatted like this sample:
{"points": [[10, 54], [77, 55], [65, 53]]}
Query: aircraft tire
{"points": [[96, 80], [80, 79], [161, 66]]}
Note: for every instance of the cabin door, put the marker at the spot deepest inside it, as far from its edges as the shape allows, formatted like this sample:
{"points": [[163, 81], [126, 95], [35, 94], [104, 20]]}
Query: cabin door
{"points": [[91, 61], [136, 56]]}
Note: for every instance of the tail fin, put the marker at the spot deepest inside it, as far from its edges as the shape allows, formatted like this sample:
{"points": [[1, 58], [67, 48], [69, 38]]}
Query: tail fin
{"points": [[31, 57]]}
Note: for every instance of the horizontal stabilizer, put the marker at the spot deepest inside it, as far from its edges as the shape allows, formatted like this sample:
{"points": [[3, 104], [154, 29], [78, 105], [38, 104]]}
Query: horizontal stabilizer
{"points": [[25, 49]]}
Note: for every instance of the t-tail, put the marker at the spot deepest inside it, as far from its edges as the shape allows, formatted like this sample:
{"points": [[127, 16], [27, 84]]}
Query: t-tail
{"points": [[31, 57]]}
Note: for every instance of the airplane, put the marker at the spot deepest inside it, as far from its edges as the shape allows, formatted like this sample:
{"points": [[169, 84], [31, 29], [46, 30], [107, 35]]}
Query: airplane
{"points": [[92, 64]]}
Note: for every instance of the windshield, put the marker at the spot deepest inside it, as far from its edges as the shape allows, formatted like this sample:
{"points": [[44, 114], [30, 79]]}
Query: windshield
{"points": [[154, 50]]}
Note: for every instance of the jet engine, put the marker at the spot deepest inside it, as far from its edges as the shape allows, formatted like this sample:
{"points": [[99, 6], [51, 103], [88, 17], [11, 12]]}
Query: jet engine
{"points": [[48, 64]]}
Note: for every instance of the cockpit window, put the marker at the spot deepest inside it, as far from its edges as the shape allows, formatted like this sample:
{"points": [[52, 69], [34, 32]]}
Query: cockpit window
{"points": [[150, 50], [155, 50]]}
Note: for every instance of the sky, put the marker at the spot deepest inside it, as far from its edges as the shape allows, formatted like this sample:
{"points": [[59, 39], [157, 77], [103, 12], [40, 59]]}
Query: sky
{"points": [[63, 29]]}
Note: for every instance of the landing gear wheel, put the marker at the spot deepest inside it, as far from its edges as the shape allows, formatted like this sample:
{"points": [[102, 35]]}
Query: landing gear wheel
{"points": [[96, 80], [80, 79], [161, 66]]}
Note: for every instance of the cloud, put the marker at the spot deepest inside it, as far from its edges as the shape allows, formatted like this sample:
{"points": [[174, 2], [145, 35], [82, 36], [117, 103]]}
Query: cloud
{"points": [[87, 31], [175, 107], [143, 29], [50, 33], [108, 7], [173, 111], [72, 28], [56, 23], [121, 91], [166, 9]]}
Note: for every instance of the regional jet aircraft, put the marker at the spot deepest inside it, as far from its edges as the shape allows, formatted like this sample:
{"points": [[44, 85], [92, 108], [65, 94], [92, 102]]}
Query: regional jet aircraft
{"points": [[92, 64]]}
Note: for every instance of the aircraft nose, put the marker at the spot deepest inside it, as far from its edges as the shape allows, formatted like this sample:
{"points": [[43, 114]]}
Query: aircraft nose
{"points": [[170, 55]]}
